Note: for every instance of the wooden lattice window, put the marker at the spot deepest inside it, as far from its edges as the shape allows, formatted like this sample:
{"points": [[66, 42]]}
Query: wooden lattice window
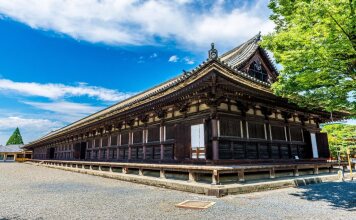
{"points": [[137, 136], [105, 141], [230, 127], [97, 142], [112, 154], [103, 154], [95, 154], [113, 140], [153, 134], [257, 70], [88, 154], [168, 152], [149, 152], [89, 144], [123, 153], [124, 138], [156, 152], [256, 130], [251, 151], [284, 151], [278, 133], [133, 153], [296, 134], [170, 132]]}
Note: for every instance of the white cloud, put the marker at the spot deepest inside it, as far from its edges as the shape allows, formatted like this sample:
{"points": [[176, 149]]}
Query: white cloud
{"points": [[30, 128], [57, 91], [64, 111], [141, 59], [188, 60], [67, 108], [154, 55], [27, 123], [52, 114], [137, 22], [173, 59]]}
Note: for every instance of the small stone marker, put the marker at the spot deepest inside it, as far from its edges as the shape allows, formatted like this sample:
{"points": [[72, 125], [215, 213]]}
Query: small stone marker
{"points": [[195, 204]]}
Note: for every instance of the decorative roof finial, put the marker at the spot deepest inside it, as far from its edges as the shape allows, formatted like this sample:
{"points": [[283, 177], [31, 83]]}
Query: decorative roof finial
{"points": [[213, 53], [258, 38]]}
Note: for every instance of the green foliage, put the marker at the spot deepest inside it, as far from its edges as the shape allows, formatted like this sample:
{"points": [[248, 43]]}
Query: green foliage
{"points": [[339, 136], [315, 41], [15, 138]]}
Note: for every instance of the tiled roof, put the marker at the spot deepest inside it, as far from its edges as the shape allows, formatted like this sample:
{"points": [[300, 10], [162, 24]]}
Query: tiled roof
{"points": [[242, 53], [130, 101], [11, 148], [230, 59]]}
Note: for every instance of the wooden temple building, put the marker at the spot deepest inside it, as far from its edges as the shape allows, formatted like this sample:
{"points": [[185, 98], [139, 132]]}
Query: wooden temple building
{"points": [[221, 112]]}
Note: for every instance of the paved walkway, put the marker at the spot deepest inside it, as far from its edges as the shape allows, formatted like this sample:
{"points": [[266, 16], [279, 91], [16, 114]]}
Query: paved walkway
{"points": [[32, 192]]}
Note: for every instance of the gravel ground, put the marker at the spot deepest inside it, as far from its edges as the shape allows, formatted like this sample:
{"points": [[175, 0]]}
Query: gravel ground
{"points": [[32, 192]]}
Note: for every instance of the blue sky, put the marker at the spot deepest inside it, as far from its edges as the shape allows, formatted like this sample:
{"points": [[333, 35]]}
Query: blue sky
{"points": [[62, 60]]}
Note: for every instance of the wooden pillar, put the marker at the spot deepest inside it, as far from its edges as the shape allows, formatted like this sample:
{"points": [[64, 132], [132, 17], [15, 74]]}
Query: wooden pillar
{"points": [[215, 144], [214, 123], [107, 156], [144, 135], [316, 170], [289, 139], [192, 176], [118, 146], [241, 175], [272, 173], [162, 151], [140, 172], [296, 171], [162, 174], [162, 138], [130, 141], [117, 153], [215, 180]]}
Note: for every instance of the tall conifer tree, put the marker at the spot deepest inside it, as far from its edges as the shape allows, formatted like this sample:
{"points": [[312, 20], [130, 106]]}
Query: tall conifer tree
{"points": [[15, 138]]}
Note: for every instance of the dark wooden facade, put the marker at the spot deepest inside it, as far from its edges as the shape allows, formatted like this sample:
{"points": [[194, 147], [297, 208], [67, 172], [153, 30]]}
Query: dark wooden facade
{"points": [[222, 111]]}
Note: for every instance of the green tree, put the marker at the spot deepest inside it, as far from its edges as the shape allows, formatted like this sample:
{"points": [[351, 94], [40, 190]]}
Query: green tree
{"points": [[340, 137], [315, 42], [15, 138]]}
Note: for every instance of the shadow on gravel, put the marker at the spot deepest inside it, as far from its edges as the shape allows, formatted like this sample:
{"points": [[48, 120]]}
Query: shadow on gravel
{"points": [[16, 218], [337, 194]]}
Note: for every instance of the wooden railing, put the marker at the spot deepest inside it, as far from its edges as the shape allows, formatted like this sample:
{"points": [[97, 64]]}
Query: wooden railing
{"points": [[193, 171]]}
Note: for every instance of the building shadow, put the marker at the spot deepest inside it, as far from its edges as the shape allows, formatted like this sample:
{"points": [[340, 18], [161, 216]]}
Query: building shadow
{"points": [[340, 195]]}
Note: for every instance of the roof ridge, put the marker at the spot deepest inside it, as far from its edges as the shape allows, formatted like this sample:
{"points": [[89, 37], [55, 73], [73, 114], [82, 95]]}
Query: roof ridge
{"points": [[117, 103], [273, 65], [134, 99], [162, 87], [256, 38]]}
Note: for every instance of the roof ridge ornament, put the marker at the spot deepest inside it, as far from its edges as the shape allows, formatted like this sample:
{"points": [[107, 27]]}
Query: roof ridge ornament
{"points": [[258, 36], [213, 53]]}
